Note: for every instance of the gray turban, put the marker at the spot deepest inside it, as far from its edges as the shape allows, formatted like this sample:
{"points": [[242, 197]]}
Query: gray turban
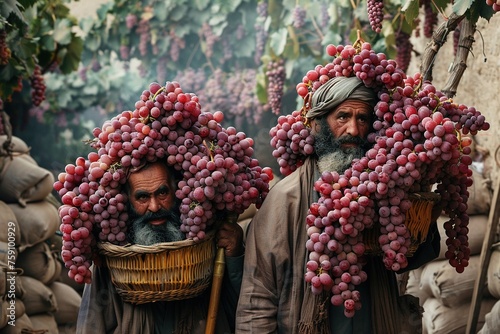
{"points": [[335, 91]]}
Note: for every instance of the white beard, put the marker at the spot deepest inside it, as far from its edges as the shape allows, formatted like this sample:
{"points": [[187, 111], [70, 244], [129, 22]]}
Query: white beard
{"points": [[337, 161], [148, 234]]}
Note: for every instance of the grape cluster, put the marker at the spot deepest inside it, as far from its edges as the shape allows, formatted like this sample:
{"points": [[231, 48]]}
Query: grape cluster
{"points": [[210, 39], [130, 21], [5, 52], [143, 30], [37, 84], [430, 18], [494, 4], [176, 45], [299, 17], [260, 31], [124, 52], [417, 142], [232, 93], [404, 49], [325, 17], [291, 140], [218, 172], [276, 76], [375, 10]]}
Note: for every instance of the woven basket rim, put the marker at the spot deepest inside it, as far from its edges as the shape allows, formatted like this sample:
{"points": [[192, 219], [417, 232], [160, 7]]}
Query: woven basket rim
{"points": [[425, 196], [108, 248]]}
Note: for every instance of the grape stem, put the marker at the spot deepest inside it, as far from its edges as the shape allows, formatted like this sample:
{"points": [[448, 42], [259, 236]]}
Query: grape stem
{"points": [[210, 154]]}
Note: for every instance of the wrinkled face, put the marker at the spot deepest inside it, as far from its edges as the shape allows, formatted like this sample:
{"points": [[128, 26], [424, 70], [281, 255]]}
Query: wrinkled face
{"points": [[153, 214], [351, 117], [150, 190], [341, 136]]}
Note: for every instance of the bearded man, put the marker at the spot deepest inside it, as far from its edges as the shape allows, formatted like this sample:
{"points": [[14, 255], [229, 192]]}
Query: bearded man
{"points": [[155, 218], [274, 297]]}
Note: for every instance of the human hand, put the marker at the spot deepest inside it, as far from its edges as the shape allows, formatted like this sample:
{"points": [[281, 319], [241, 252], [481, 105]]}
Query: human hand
{"points": [[230, 237]]}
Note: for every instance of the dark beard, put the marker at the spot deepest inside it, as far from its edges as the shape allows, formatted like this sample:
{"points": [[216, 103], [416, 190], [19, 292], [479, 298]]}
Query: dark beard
{"points": [[331, 155], [143, 233]]}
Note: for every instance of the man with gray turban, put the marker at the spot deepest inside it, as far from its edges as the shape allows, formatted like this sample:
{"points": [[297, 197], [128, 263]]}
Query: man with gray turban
{"points": [[274, 297]]}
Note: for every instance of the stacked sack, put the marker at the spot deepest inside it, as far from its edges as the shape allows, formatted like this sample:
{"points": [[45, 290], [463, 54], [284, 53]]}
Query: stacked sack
{"points": [[445, 296], [44, 301]]}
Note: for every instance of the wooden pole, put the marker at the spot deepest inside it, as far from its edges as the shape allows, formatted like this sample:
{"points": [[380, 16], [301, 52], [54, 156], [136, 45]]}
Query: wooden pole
{"points": [[475, 305], [219, 266]]}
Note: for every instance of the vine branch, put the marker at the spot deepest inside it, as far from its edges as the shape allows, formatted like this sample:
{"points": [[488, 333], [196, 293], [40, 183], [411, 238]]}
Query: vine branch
{"points": [[460, 62], [438, 39]]}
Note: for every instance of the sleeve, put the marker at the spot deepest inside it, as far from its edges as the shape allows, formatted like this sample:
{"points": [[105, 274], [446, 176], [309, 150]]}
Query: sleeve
{"points": [[265, 269], [97, 309]]}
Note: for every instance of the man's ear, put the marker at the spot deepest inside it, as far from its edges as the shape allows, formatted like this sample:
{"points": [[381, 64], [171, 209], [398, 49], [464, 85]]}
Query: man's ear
{"points": [[315, 126]]}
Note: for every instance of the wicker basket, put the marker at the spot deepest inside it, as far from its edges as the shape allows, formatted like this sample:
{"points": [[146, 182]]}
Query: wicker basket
{"points": [[417, 220], [161, 272]]}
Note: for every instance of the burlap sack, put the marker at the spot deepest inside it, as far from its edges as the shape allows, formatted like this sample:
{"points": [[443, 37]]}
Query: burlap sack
{"points": [[38, 298], [493, 273], [44, 322], [492, 321], [477, 231], [68, 303], [446, 285], [440, 319], [10, 311], [39, 262], [480, 194], [23, 181], [16, 144], [426, 277], [9, 223], [23, 326], [413, 286], [5, 285], [38, 221], [4, 312], [67, 329]]}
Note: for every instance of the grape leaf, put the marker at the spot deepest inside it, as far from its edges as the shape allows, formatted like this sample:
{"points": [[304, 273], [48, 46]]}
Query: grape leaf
{"points": [[179, 13], [201, 4], [48, 43], [277, 40], [480, 9], [62, 31], [410, 9], [73, 55], [8, 7], [461, 6]]}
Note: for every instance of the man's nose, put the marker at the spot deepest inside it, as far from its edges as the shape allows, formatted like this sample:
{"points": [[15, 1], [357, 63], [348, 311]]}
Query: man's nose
{"points": [[154, 204], [352, 128]]}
